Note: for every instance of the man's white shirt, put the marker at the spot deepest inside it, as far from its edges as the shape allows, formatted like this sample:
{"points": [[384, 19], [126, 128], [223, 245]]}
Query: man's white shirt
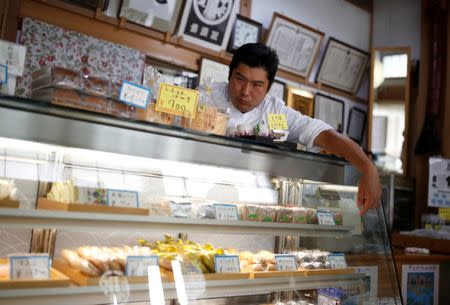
{"points": [[302, 128]]}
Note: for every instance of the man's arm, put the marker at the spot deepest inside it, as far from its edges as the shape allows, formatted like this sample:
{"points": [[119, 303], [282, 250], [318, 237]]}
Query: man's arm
{"points": [[369, 188]]}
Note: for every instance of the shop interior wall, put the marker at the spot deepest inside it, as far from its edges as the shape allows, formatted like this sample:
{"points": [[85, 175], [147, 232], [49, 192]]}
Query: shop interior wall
{"points": [[336, 18]]}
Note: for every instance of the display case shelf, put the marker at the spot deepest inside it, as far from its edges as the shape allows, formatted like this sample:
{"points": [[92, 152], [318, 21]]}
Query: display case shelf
{"points": [[89, 222], [37, 121], [210, 289]]}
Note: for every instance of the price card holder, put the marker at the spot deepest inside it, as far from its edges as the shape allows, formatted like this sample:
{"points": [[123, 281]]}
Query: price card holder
{"points": [[177, 100], [226, 211], [337, 261], [285, 262], [29, 267], [134, 95], [278, 121], [122, 198], [227, 264], [3, 74], [325, 218], [137, 265]]}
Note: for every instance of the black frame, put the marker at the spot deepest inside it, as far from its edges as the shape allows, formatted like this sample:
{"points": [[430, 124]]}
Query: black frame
{"points": [[90, 4], [160, 27], [350, 125], [230, 48], [361, 70], [284, 89], [332, 99]]}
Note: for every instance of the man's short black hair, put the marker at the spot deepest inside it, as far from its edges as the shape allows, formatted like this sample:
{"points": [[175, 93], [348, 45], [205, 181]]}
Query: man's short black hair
{"points": [[256, 55]]}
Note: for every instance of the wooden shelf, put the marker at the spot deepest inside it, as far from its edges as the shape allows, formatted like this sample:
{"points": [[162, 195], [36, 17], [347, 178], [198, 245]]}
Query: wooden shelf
{"points": [[161, 46]]}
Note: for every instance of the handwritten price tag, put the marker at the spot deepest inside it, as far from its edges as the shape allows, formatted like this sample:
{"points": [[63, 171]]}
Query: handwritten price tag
{"points": [[137, 265], [177, 100], [325, 218], [3, 74], [227, 263], [29, 267], [337, 261], [278, 121], [285, 262], [123, 198], [226, 211], [134, 94]]}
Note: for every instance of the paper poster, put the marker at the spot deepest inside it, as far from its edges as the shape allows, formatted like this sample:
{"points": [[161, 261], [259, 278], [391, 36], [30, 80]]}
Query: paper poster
{"points": [[439, 183], [370, 280], [420, 284]]}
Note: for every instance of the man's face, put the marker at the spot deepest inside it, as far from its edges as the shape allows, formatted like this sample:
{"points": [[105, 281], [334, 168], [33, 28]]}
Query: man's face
{"points": [[247, 87]]}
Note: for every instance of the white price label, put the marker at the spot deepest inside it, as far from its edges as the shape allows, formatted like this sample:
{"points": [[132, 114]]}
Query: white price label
{"points": [[227, 263], [225, 211], [134, 94], [325, 218], [123, 198], [137, 265], [285, 262], [337, 261], [3, 74], [29, 267]]}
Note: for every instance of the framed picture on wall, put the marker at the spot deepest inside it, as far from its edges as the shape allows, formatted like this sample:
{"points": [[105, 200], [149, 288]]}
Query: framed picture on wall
{"points": [[212, 69], [90, 4], [297, 45], [208, 23], [300, 102], [356, 125], [330, 110], [244, 31], [278, 89], [156, 14], [342, 66]]}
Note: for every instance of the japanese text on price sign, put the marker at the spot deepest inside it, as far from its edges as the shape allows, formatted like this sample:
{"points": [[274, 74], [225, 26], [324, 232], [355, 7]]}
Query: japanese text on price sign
{"points": [[177, 100]]}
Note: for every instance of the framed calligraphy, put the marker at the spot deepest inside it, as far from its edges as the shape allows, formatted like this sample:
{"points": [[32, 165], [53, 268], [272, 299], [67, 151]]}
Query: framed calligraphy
{"points": [[330, 110], [208, 23], [212, 69], [342, 66], [156, 14], [278, 89], [297, 45]]}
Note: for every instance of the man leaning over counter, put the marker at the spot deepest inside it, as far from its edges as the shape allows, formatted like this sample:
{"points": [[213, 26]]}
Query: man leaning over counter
{"points": [[252, 72]]}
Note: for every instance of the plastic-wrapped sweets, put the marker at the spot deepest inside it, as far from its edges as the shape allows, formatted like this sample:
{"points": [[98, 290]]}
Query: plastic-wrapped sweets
{"points": [[7, 189], [173, 207], [208, 118], [56, 76], [263, 213], [206, 210], [285, 214]]}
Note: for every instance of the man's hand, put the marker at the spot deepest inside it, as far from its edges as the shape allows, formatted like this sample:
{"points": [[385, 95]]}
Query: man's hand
{"points": [[369, 190]]}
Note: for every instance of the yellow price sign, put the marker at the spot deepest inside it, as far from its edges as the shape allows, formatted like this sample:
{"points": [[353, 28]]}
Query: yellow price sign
{"points": [[177, 100], [278, 121], [444, 213]]}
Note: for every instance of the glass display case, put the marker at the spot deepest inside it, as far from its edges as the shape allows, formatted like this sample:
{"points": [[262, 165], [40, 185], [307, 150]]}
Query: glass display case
{"points": [[101, 210]]}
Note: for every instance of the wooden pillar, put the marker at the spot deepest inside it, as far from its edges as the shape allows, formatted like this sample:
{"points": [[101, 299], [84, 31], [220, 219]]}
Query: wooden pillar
{"points": [[245, 8], [9, 18]]}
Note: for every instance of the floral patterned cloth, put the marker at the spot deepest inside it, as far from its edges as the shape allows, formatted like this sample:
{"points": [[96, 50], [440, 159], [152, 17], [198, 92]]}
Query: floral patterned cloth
{"points": [[49, 45]]}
